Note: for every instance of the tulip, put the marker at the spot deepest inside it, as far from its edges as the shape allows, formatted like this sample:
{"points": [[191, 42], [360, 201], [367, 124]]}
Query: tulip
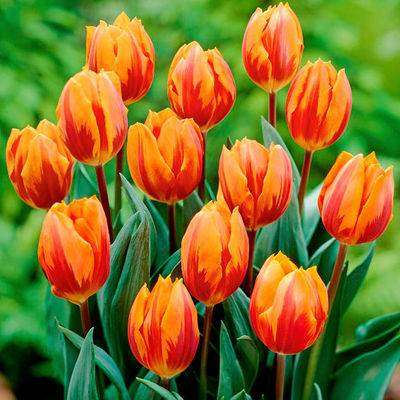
{"points": [[92, 117], [162, 328], [126, 49], [213, 273], [356, 199], [74, 249], [288, 306], [39, 165], [272, 47]]}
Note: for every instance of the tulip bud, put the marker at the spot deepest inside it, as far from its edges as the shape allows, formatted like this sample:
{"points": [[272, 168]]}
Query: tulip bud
{"points": [[165, 156], [162, 328], [288, 306], [39, 165], [213, 273], [92, 117], [257, 180], [356, 199], [200, 85], [74, 249], [126, 49], [318, 105], [272, 47]]}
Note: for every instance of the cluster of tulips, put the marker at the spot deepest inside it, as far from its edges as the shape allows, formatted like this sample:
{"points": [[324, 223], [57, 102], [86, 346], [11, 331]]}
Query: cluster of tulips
{"points": [[166, 159]]}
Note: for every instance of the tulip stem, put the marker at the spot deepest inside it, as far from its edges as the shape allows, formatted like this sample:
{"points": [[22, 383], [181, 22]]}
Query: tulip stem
{"points": [[305, 172], [272, 109], [165, 383], [172, 228], [280, 376], [119, 165], [316, 348], [202, 185], [248, 282], [85, 317], [204, 352], [101, 181]]}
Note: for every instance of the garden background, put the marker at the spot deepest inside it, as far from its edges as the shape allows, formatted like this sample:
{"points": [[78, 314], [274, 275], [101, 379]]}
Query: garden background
{"points": [[42, 44]]}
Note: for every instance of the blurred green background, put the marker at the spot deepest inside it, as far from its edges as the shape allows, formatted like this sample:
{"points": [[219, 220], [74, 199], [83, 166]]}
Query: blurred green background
{"points": [[42, 44]]}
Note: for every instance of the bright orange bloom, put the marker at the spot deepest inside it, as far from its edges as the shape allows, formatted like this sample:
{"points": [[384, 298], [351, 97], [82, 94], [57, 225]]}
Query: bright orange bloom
{"points": [[92, 117], [356, 199], [162, 328], [39, 165], [74, 249], [288, 306], [200, 85], [215, 252], [165, 156], [126, 49], [257, 180], [318, 105], [272, 47]]}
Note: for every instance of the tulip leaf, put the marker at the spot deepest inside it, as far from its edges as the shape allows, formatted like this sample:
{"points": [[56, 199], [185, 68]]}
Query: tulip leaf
{"points": [[102, 359], [368, 376], [83, 378], [210, 192], [231, 378], [355, 279], [241, 396], [376, 326], [247, 355], [168, 267], [83, 185], [138, 391], [325, 258], [311, 215], [164, 393], [317, 392], [191, 206]]}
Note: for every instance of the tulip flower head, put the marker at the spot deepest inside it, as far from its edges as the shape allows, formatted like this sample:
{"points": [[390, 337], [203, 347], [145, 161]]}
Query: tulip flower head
{"points": [[356, 199], [288, 306], [318, 105], [92, 117], [74, 249], [215, 251], [162, 328], [272, 47], [126, 49], [39, 165], [200, 85], [165, 156], [257, 180]]}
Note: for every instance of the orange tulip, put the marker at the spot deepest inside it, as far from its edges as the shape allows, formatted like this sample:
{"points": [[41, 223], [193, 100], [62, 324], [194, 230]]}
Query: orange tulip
{"points": [[213, 273], [162, 328], [39, 165], [272, 47], [126, 49], [257, 180], [288, 306], [200, 85], [92, 117], [165, 156], [74, 249], [318, 105], [356, 199]]}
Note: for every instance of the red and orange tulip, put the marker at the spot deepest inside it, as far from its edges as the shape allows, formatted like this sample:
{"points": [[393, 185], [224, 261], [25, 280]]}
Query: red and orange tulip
{"points": [[201, 85], [126, 49], [288, 306], [356, 199], [165, 156], [213, 272], [74, 249], [257, 180], [318, 105], [272, 47], [162, 328], [92, 117], [39, 165]]}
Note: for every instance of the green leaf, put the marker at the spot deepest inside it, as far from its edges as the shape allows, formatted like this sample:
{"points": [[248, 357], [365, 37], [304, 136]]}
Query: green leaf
{"points": [[138, 391], [376, 326], [167, 267], [241, 396], [311, 215], [247, 355], [83, 379], [191, 206], [102, 359], [83, 185], [325, 258], [317, 392], [355, 279], [231, 378], [166, 394], [210, 191], [368, 376]]}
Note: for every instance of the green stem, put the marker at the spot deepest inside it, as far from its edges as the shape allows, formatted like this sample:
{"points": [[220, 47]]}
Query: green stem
{"points": [[316, 348], [305, 172], [272, 109], [202, 185], [280, 376], [204, 352], [119, 165], [248, 280], [172, 228], [101, 181], [85, 317]]}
